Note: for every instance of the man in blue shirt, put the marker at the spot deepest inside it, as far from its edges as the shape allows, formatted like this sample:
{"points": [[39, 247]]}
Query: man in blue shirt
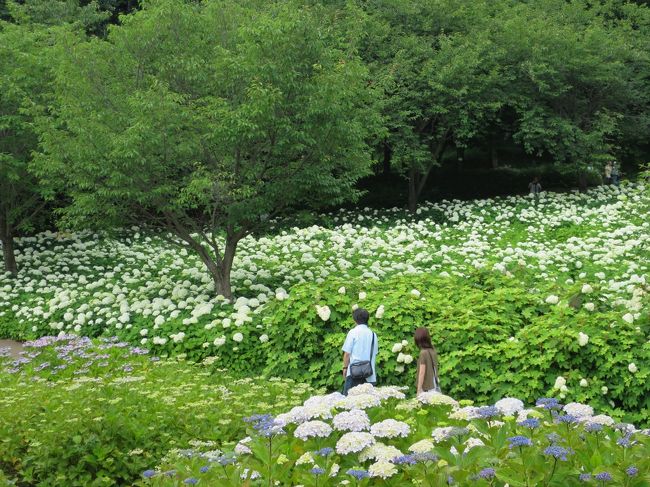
{"points": [[357, 348]]}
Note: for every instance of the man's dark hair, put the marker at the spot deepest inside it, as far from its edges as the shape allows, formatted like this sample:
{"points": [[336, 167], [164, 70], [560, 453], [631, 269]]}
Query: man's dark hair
{"points": [[360, 316]]}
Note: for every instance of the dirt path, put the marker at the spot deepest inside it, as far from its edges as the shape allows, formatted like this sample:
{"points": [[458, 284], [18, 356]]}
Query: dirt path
{"points": [[14, 347]]}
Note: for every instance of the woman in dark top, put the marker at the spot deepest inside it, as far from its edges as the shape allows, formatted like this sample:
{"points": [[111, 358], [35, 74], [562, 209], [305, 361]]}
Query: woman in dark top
{"points": [[427, 374]]}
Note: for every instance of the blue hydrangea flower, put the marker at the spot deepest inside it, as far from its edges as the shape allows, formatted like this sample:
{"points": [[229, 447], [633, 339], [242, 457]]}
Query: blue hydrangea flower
{"points": [[603, 477], [426, 457], [593, 427], [204, 469], [487, 412], [324, 452], [191, 481], [585, 477], [531, 423], [548, 403], [624, 441], [147, 474], [317, 471], [486, 473], [358, 474], [405, 460], [632, 471], [557, 452], [566, 418], [519, 440]]}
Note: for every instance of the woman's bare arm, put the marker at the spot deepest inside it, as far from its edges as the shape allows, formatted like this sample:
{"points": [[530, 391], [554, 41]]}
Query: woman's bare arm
{"points": [[421, 371]]}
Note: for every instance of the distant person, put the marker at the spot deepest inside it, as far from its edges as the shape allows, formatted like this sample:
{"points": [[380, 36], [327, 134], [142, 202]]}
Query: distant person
{"points": [[359, 352], [427, 372], [534, 187], [616, 173], [608, 172]]}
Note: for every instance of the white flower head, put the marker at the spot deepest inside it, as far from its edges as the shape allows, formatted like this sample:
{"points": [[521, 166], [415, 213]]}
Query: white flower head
{"points": [[583, 339], [238, 337], [586, 289], [552, 299], [628, 318], [559, 382], [632, 368], [323, 312]]}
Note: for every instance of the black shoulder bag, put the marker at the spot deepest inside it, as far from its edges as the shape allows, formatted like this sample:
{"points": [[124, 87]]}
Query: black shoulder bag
{"points": [[363, 369]]}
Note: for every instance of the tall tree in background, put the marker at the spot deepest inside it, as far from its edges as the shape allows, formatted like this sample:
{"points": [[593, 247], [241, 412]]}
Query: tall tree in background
{"points": [[436, 66], [205, 119], [26, 55]]}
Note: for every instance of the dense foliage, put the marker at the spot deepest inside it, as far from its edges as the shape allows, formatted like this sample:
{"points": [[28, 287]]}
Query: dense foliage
{"points": [[376, 437], [508, 288], [76, 412]]}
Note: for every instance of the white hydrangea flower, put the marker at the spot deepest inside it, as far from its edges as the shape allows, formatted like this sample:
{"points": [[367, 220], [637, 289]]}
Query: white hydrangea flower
{"points": [[238, 337], [355, 420], [552, 299], [354, 442], [362, 296], [509, 406], [583, 339], [586, 289], [559, 382], [590, 306], [632, 368], [342, 290], [323, 312], [397, 348], [422, 446], [604, 390], [382, 469], [264, 338], [435, 398], [578, 410], [380, 312], [379, 452], [305, 458], [390, 428], [415, 293], [628, 318], [584, 383], [313, 429]]}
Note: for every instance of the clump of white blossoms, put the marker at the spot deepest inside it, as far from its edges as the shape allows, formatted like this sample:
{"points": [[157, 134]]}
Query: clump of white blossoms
{"points": [[415, 293], [590, 306], [628, 318], [587, 289], [583, 339], [578, 410], [380, 312], [390, 428], [632, 368], [422, 446], [313, 429], [433, 398], [584, 382], [323, 312], [382, 470], [238, 337], [362, 296], [355, 420], [509, 406], [397, 348], [379, 452], [354, 442], [560, 382], [552, 299]]}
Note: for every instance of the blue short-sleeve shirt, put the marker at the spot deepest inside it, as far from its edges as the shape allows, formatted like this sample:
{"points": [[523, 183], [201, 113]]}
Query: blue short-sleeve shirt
{"points": [[357, 344]]}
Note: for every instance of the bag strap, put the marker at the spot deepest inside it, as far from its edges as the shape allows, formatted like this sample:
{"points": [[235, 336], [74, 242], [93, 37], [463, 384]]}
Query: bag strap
{"points": [[372, 346]]}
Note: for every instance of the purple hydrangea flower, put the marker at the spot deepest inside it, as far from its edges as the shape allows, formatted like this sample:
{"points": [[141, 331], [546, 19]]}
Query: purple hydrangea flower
{"points": [[519, 440], [531, 423], [558, 452], [405, 460], [147, 474], [631, 471], [324, 452], [191, 481], [358, 474], [486, 473], [585, 477], [603, 477], [317, 471], [548, 403]]}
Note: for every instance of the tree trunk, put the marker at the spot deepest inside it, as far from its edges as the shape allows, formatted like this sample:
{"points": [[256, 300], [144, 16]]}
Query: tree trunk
{"points": [[582, 181], [494, 157], [9, 255], [387, 156], [413, 191], [7, 239]]}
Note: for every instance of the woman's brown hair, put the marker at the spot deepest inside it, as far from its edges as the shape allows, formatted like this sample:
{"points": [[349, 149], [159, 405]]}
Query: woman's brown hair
{"points": [[422, 338]]}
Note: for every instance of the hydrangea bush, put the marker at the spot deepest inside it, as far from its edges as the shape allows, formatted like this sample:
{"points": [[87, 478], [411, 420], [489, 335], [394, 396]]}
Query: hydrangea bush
{"points": [[78, 412], [376, 436]]}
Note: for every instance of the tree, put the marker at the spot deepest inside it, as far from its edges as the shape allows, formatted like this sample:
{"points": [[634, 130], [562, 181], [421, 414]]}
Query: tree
{"points": [[206, 120], [23, 80], [435, 64]]}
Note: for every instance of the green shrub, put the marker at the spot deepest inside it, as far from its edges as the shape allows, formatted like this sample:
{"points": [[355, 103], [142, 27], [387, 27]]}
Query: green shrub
{"points": [[495, 338], [80, 414]]}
